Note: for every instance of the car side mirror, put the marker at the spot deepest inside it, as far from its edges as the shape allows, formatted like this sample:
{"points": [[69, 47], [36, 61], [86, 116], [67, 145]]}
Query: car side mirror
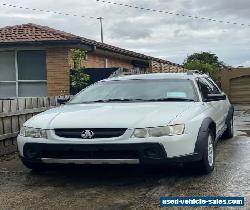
{"points": [[63, 100], [215, 97]]}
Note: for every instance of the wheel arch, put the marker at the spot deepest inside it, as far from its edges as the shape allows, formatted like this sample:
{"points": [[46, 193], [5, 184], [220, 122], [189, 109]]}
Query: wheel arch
{"points": [[230, 114], [201, 142]]}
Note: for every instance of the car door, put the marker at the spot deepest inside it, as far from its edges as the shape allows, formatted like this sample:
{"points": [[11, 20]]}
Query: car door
{"points": [[223, 105], [216, 113]]}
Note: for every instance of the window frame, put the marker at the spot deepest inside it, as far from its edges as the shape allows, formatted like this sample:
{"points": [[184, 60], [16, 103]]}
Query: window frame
{"points": [[210, 80], [17, 81], [198, 81]]}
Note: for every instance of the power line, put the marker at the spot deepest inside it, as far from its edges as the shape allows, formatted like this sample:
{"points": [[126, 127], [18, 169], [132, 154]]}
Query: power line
{"points": [[47, 11], [57, 13], [174, 13]]}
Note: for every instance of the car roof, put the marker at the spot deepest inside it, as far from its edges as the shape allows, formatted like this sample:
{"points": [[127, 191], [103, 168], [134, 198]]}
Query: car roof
{"points": [[190, 76]]}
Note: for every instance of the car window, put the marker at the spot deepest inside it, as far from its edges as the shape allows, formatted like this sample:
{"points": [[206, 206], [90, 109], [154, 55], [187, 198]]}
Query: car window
{"points": [[216, 89], [204, 88], [207, 86], [147, 90]]}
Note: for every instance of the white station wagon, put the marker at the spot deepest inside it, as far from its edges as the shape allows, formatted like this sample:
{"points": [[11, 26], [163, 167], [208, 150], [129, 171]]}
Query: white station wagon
{"points": [[137, 119]]}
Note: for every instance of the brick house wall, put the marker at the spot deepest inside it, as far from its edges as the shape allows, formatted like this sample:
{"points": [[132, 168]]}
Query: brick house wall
{"points": [[165, 68], [59, 64], [101, 61], [58, 68]]}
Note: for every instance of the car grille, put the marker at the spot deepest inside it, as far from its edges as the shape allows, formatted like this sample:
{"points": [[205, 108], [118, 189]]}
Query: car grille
{"points": [[98, 132], [36, 151]]}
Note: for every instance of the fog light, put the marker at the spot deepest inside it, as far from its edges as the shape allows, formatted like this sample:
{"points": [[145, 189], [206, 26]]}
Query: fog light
{"points": [[151, 153], [140, 133], [30, 154]]}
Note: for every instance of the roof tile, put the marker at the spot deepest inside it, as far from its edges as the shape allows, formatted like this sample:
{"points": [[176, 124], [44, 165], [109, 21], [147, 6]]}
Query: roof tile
{"points": [[33, 33]]}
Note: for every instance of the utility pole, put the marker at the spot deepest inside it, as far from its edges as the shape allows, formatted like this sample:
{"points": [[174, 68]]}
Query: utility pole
{"points": [[101, 18]]}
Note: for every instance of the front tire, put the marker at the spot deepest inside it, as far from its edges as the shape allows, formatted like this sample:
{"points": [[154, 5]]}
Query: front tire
{"points": [[206, 164], [34, 166]]}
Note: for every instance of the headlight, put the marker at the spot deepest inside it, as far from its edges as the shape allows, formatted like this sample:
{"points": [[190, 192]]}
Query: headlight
{"points": [[33, 132], [176, 129], [170, 130]]}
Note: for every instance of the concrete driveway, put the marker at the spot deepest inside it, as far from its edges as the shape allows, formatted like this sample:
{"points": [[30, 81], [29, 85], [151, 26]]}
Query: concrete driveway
{"points": [[129, 187]]}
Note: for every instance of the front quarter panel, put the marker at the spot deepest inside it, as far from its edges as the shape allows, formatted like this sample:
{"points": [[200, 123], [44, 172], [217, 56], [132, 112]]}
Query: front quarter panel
{"points": [[43, 119], [193, 119]]}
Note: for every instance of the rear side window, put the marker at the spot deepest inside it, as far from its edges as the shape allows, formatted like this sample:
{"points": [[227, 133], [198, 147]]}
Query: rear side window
{"points": [[207, 86], [204, 88], [216, 90]]}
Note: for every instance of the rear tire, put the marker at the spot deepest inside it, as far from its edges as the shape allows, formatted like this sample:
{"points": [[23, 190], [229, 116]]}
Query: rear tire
{"points": [[206, 164], [229, 132]]}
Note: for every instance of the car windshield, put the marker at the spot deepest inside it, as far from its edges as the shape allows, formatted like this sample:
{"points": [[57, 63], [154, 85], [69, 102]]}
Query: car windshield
{"points": [[137, 90]]}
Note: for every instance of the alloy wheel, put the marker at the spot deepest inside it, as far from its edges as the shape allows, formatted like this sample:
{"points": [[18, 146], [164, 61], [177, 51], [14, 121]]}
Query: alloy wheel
{"points": [[210, 151]]}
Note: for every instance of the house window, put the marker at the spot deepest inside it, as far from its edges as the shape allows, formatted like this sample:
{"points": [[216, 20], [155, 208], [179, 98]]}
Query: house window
{"points": [[7, 74], [23, 73]]}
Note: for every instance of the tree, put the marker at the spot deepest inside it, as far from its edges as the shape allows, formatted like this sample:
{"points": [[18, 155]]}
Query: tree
{"points": [[205, 61], [77, 56], [79, 80]]}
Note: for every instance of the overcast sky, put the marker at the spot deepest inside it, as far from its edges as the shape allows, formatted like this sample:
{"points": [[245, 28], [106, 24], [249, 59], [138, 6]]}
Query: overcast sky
{"points": [[159, 35]]}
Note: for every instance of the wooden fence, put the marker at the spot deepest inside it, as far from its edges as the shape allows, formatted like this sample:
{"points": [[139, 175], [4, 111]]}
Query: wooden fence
{"points": [[13, 113]]}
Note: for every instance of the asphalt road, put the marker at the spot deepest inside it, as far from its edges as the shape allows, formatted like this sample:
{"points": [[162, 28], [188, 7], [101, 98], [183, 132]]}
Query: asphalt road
{"points": [[129, 187]]}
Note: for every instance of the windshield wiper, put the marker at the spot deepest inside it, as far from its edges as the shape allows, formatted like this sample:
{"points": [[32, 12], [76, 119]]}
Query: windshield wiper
{"points": [[136, 100], [171, 99], [113, 100]]}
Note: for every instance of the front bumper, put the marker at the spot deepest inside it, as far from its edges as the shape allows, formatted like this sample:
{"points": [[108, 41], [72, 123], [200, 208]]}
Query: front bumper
{"points": [[143, 153]]}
